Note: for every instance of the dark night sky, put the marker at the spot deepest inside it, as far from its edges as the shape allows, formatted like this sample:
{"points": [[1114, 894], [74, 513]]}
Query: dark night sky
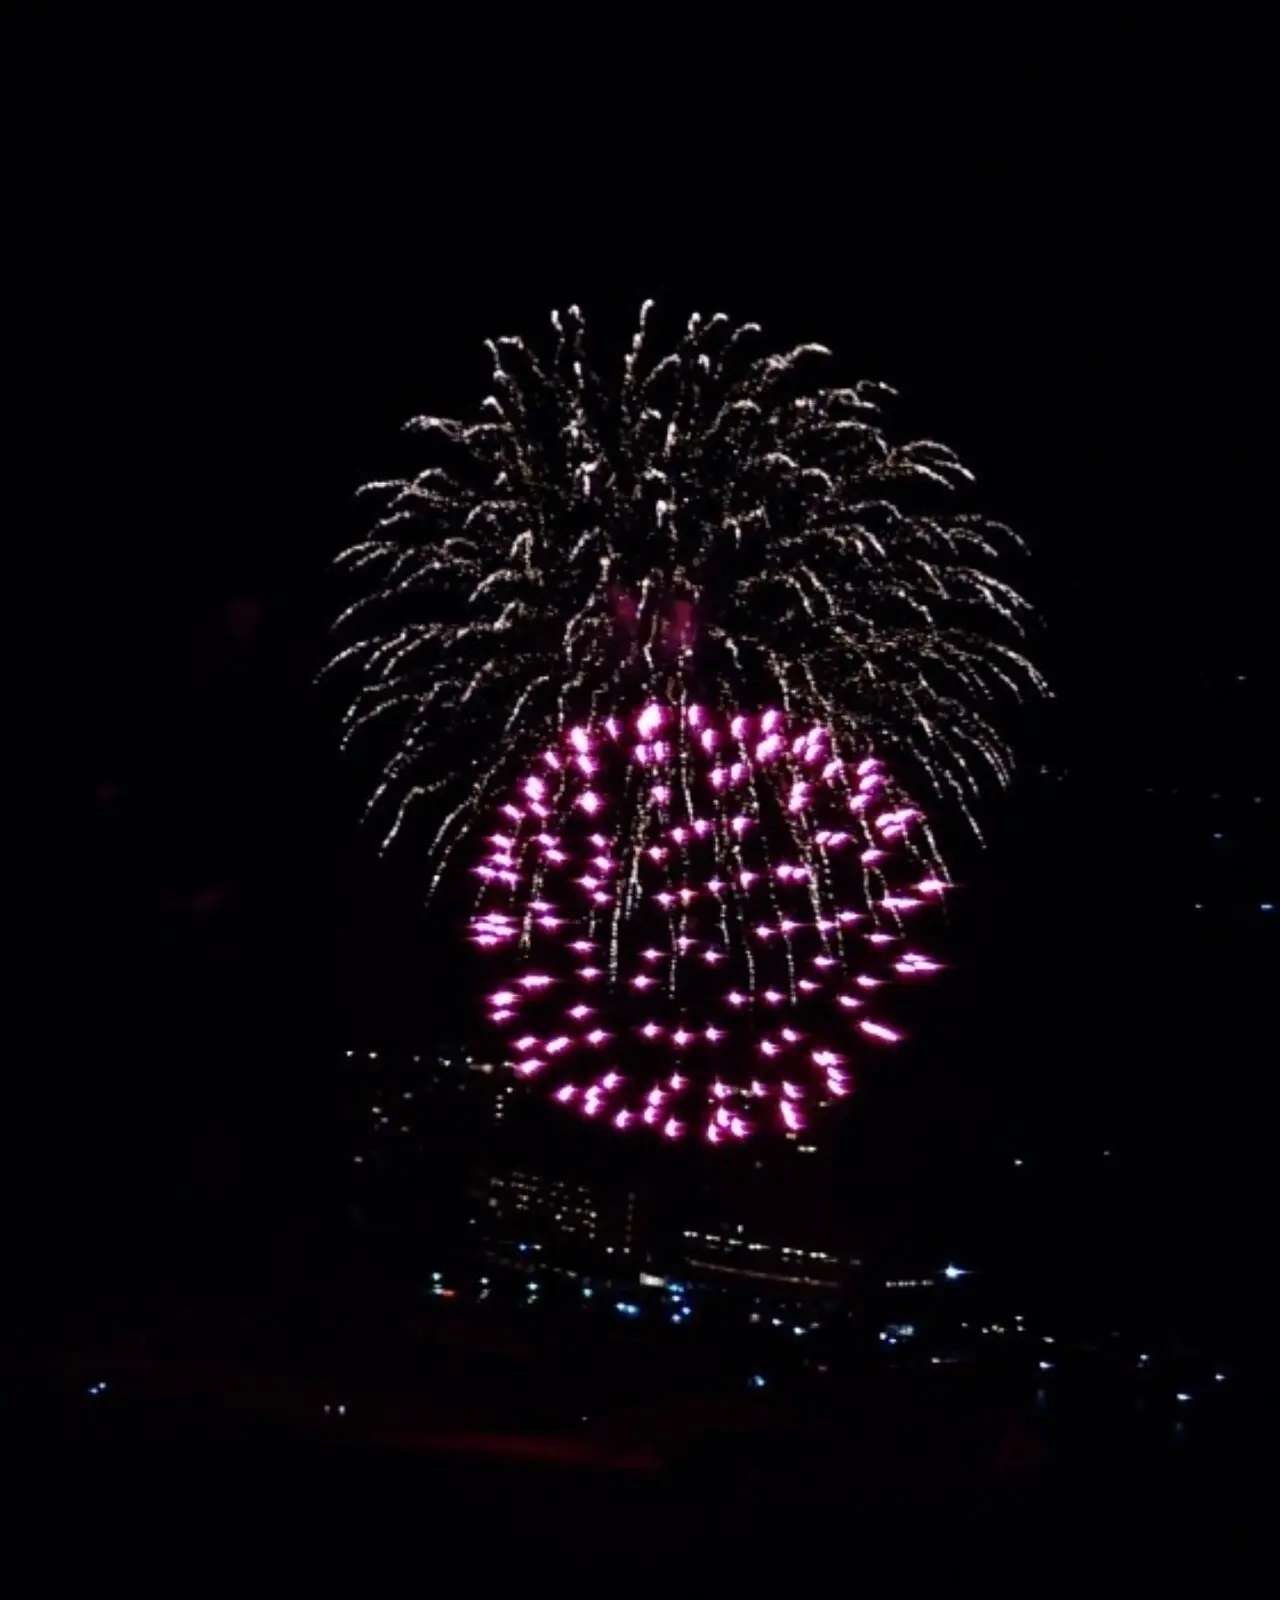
{"points": [[246, 271]]}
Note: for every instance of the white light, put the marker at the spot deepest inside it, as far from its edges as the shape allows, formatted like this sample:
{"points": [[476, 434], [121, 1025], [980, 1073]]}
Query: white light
{"points": [[953, 1273], [1182, 1395]]}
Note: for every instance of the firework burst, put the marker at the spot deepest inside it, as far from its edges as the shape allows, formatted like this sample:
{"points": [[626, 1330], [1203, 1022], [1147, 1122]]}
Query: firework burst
{"points": [[673, 642], [715, 522], [665, 966]]}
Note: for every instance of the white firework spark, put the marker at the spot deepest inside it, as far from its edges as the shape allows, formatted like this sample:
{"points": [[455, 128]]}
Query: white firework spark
{"points": [[716, 525]]}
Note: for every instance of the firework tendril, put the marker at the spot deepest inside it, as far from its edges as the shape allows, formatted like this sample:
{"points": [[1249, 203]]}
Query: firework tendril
{"points": [[685, 588]]}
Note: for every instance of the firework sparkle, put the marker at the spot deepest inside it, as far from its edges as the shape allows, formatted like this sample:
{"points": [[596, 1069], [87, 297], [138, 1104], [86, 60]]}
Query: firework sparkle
{"points": [[683, 647], [679, 959], [713, 519]]}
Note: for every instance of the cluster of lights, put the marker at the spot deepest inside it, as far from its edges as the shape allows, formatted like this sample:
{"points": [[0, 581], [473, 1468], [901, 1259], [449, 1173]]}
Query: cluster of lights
{"points": [[698, 912]]}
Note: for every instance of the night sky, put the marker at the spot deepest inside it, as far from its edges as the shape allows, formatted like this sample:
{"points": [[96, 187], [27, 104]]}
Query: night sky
{"points": [[246, 271]]}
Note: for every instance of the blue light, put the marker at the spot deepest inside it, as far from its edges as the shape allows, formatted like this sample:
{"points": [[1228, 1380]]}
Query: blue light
{"points": [[757, 1381], [627, 1309]]}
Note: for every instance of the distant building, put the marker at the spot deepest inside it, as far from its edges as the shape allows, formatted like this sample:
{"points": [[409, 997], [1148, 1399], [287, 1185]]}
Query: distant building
{"points": [[766, 1221], [445, 1140], [578, 1220], [416, 1124], [733, 1258], [397, 1100]]}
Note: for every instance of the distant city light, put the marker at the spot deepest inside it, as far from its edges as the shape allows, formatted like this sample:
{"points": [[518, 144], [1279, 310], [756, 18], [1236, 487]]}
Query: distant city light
{"points": [[953, 1272]]}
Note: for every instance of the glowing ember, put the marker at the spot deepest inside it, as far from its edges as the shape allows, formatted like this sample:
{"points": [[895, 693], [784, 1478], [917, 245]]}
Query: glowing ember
{"points": [[737, 954]]}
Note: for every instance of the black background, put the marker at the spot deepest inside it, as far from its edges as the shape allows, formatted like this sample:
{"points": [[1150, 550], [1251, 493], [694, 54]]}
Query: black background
{"points": [[246, 255]]}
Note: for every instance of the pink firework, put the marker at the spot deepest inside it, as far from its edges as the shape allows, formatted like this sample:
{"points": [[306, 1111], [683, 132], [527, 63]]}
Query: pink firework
{"points": [[695, 915]]}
